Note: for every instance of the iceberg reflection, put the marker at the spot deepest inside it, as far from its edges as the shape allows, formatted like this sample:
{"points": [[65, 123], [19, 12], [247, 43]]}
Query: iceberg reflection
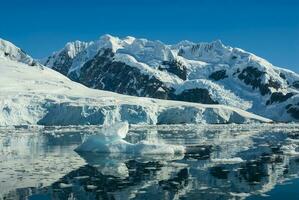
{"points": [[219, 164]]}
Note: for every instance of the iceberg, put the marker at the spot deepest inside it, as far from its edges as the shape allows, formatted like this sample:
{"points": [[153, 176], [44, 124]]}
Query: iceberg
{"points": [[111, 140], [119, 130]]}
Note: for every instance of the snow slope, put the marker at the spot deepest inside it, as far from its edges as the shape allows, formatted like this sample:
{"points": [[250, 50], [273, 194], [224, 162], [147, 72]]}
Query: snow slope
{"points": [[196, 72], [37, 95], [11, 52]]}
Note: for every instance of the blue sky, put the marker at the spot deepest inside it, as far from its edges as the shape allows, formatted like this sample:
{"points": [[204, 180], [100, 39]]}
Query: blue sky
{"points": [[268, 28]]}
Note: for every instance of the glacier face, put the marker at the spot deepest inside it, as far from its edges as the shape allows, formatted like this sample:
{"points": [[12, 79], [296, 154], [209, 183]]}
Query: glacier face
{"points": [[209, 73], [40, 95]]}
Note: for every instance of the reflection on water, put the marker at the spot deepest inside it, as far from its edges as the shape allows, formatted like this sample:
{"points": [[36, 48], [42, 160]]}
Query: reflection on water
{"points": [[224, 162]]}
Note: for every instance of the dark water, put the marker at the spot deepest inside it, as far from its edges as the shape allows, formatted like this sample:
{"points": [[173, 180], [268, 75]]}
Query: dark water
{"points": [[233, 162]]}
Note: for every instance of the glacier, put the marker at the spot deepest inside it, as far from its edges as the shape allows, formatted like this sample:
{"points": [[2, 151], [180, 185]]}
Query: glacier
{"points": [[205, 72], [220, 148], [34, 95]]}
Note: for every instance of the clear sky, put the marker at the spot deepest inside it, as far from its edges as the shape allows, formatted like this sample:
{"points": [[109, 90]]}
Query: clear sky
{"points": [[268, 28]]}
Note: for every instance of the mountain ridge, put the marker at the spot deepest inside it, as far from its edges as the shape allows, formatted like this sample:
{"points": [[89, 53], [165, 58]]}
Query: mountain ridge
{"points": [[209, 73], [33, 95], [186, 71], [11, 52]]}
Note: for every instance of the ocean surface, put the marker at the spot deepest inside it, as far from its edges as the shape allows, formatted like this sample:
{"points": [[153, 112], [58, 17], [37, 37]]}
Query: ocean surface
{"points": [[224, 162]]}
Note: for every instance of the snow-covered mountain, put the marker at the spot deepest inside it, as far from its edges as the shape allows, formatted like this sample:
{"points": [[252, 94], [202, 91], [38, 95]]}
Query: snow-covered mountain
{"points": [[33, 94], [10, 52], [209, 73]]}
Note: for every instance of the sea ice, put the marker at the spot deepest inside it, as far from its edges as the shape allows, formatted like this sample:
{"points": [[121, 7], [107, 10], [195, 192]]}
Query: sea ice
{"points": [[228, 160], [111, 140], [290, 149]]}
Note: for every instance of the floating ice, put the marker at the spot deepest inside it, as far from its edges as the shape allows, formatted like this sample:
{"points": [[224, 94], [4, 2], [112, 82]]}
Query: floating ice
{"points": [[290, 149], [65, 185], [111, 140], [228, 160], [117, 130]]}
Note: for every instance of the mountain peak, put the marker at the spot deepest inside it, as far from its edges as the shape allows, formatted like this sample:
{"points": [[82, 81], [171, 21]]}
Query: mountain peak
{"points": [[109, 41], [9, 51], [108, 37], [129, 39], [204, 72], [217, 43], [73, 48]]}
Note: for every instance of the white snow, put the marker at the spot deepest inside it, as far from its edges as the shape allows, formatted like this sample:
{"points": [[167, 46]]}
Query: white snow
{"points": [[35, 95], [149, 52], [168, 79], [111, 140], [100, 144], [10, 52], [218, 93], [115, 131], [291, 149], [228, 160], [65, 185], [200, 59]]}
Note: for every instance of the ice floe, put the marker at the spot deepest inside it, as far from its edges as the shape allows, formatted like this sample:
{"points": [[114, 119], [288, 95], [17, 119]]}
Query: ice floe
{"points": [[112, 141]]}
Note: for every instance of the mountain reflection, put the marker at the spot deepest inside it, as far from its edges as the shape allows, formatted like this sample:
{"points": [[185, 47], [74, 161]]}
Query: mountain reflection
{"points": [[211, 170]]}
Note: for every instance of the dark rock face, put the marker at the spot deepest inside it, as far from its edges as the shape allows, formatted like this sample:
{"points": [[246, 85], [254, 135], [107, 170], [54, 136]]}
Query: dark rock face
{"points": [[294, 111], [236, 72], [218, 75], [197, 95], [288, 106], [234, 57], [279, 97], [296, 84], [252, 76], [283, 76], [103, 73], [62, 67], [174, 67]]}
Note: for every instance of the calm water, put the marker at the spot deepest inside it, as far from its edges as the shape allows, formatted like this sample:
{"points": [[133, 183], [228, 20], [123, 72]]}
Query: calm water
{"points": [[229, 162]]}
